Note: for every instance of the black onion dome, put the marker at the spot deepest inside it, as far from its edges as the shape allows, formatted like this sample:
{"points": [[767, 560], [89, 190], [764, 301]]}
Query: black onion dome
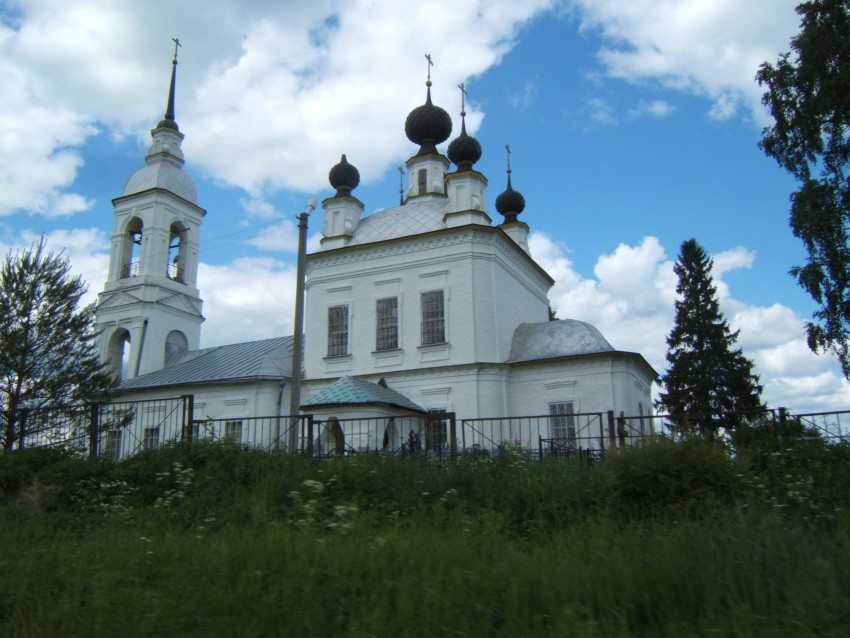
{"points": [[510, 203], [464, 150], [344, 177], [428, 125]]}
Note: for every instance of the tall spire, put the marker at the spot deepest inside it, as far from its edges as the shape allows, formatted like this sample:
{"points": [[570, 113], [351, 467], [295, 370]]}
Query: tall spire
{"points": [[169, 121]]}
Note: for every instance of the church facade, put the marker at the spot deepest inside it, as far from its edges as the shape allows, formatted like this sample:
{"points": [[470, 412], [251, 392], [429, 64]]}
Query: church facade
{"points": [[426, 307]]}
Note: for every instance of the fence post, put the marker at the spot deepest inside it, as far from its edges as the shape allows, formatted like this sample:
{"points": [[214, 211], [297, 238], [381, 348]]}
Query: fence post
{"points": [[309, 436], [612, 437], [783, 423], [188, 416], [94, 427], [452, 437], [621, 428]]}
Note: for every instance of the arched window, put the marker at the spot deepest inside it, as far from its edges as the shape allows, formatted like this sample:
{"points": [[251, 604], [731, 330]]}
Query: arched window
{"points": [[118, 353], [131, 248], [175, 343], [177, 253]]}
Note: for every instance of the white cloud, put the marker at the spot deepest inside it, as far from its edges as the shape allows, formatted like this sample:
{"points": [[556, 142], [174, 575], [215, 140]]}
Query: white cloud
{"points": [[601, 111], [524, 99], [631, 301], [709, 48], [282, 87], [85, 249], [652, 108], [247, 299]]}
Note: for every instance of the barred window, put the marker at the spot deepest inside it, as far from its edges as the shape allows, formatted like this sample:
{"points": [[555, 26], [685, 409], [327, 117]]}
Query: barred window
{"points": [[433, 318], [337, 331], [562, 422], [113, 444], [422, 177], [233, 431], [386, 324], [151, 439]]}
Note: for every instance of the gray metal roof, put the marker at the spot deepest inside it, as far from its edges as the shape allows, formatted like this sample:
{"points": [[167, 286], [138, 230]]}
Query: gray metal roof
{"points": [[250, 361], [562, 338], [164, 175], [351, 391], [413, 218]]}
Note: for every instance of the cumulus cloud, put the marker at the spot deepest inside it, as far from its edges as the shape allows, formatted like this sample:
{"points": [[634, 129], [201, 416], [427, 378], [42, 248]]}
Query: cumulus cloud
{"points": [[247, 299], [631, 300], [712, 49], [85, 248], [283, 87]]}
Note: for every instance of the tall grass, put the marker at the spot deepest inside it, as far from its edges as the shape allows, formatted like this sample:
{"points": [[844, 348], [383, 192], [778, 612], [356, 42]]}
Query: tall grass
{"points": [[209, 540]]}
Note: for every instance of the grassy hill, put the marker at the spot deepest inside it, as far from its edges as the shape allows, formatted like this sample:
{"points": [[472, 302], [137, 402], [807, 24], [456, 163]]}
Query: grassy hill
{"points": [[214, 540]]}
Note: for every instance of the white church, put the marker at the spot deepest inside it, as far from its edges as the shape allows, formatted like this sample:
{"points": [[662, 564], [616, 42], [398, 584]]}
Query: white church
{"points": [[430, 305]]}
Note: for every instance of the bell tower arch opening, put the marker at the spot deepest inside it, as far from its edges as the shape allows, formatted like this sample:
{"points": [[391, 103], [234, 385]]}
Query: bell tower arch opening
{"points": [[118, 353], [177, 252], [131, 248]]}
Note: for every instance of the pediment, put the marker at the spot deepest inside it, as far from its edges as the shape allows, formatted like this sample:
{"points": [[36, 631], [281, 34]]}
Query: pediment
{"points": [[181, 303], [115, 300]]}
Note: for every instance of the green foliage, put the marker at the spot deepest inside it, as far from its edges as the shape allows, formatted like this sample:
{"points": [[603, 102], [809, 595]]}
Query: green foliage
{"points": [[809, 98], [667, 478], [709, 383], [48, 354], [801, 479], [495, 545]]}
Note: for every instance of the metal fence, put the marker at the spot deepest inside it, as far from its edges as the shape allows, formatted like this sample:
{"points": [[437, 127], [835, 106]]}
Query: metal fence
{"points": [[122, 429], [265, 433]]}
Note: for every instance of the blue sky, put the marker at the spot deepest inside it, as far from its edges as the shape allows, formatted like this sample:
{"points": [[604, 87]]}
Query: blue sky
{"points": [[633, 126]]}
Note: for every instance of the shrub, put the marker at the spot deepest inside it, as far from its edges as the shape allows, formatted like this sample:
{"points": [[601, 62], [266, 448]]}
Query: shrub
{"points": [[19, 468], [680, 478]]}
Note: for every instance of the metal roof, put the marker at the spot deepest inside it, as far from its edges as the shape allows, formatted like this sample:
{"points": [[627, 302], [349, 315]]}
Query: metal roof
{"points": [[351, 391], [165, 175], [415, 217], [250, 361], [561, 338]]}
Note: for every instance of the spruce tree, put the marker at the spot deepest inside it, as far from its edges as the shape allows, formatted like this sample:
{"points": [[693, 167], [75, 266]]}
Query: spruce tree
{"points": [[709, 384], [48, 356]]}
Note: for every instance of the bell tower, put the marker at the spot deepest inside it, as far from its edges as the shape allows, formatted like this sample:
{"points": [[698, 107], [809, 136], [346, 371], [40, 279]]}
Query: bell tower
{"points": [[150, 307]]}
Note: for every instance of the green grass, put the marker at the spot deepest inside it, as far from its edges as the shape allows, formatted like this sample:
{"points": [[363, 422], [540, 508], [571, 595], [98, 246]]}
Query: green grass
{"points": [[218, 541]]}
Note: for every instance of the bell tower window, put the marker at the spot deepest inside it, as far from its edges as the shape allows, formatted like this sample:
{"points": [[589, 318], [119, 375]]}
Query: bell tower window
{"points": [[177, 254], [131, 249]]}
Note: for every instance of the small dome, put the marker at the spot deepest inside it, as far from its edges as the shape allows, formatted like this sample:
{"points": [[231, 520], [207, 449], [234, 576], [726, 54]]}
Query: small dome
{"points": [[464, 150], [562, 338], [165, 175], [168, 123], [510, 203], [428, 125], [344, 177]]}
